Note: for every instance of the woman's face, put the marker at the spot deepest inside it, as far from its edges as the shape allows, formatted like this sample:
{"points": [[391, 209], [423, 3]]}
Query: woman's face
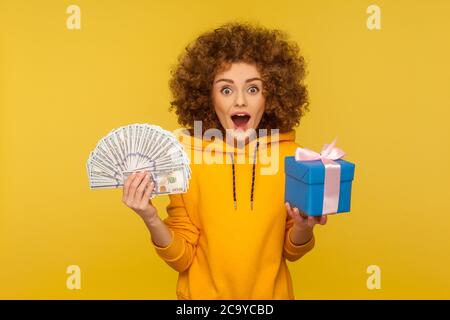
{"points": [[237, 97]]}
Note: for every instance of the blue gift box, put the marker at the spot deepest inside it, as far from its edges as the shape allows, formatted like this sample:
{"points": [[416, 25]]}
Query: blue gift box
{"points": [[304, 187]]}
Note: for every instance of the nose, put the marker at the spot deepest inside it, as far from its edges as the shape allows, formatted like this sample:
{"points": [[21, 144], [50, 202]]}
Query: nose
{"points": [[240, 99]]}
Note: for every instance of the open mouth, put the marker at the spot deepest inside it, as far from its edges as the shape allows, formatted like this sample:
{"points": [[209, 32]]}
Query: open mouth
{"points": [[240, 120]]}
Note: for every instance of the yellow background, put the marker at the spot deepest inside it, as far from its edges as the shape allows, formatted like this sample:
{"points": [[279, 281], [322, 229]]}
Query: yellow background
{"points": [[384, 94]]}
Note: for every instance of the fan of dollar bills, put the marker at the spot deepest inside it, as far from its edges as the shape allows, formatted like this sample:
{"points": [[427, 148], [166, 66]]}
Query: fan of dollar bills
{"points": [[139, 147]]}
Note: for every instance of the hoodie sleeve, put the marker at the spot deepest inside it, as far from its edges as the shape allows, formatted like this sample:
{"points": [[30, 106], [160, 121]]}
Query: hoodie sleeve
{"points": [[181, 251], [291, 251]]}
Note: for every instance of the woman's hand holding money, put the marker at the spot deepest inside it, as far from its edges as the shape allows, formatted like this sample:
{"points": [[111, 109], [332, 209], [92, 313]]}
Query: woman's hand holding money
{"points": [[137, 190]]}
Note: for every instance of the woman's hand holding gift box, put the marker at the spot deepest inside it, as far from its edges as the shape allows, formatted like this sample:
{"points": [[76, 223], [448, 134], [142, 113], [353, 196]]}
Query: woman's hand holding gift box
{"points": [[302, 220], [302, 230], [319, 184]]}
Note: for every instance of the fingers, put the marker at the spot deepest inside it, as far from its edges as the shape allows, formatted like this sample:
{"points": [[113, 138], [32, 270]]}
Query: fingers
{"points": [[289, 210], [293, 212], [318, 220], [131, 186], [148, 192], [321, 220], [126, 186], [311, 221], [299, 215], [134, 186], [141, 187]]}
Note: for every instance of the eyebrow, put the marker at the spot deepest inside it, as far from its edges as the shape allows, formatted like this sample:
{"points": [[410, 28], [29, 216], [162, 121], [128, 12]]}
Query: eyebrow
{"points": [[231, 81]]}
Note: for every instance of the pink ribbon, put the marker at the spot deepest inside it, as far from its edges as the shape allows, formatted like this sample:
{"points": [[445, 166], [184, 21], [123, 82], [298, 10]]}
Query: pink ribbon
{"points": [[332, 172]]}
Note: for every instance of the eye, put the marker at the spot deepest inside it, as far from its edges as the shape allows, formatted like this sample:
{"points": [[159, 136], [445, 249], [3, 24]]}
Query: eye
{"points": [[253, 89], [226, 90]]}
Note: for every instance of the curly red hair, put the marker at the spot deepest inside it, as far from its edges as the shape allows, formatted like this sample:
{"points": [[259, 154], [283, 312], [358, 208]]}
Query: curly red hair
{"points": [[279, 61]]}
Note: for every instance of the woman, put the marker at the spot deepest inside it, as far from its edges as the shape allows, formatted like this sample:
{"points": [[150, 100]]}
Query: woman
{"points": [[229, 236]]}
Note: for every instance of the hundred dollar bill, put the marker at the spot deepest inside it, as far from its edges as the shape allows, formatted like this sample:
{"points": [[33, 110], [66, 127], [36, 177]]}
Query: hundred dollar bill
{"points": [[166, 181]]}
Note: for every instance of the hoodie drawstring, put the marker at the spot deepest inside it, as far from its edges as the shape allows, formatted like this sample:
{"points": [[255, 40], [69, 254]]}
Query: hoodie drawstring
{"points": [[253, 178]]}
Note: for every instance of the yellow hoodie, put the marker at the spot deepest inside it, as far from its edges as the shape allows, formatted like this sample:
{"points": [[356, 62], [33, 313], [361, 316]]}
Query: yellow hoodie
{"points": [[223, 252]]}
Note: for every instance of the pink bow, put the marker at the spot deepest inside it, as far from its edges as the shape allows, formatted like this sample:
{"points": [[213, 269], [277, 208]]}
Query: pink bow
{"points": [[332, 172]]}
